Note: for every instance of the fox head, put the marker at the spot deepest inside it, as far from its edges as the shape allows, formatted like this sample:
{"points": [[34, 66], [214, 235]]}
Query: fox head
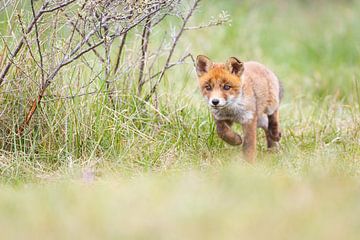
{"points": [[219, 83]]}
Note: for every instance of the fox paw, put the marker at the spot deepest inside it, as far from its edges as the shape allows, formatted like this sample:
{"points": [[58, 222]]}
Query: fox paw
{"points": [[275, 135], [233, 140], [237, 140]]}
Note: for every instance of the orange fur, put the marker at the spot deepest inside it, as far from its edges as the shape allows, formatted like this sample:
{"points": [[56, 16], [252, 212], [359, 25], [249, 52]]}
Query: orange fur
{"points": [[244, 92]]}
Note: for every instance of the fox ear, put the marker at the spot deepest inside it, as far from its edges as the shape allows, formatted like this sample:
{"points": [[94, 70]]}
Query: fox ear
{"points": [[203, 65], [235, 66]]}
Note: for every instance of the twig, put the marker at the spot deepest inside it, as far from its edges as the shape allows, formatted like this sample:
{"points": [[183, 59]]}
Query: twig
{"points": [[180, 61], [211, 24], [56, 98], [21, 43], [177, 37], [28, 30], [58, 7], [27, 42], [144, 47], [5, 5], [38, 45], [82, 35], [121, 47], [107, 45], [66, 60], [31, 112], [91, 37]]}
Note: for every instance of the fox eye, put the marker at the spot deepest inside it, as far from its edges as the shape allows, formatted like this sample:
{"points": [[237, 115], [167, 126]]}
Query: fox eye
{"points": [[208, 87], [227, 87]]}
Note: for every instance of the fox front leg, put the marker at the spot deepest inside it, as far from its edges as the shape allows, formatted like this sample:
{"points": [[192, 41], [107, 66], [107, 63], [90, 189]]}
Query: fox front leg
{"points": [[249, 145], [225, 132]]}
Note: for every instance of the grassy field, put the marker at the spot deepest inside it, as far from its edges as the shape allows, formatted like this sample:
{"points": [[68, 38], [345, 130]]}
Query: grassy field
{"points": [[88, 171]]}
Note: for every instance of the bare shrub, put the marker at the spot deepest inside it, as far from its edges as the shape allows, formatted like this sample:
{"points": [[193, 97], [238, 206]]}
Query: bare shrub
{"points": [[62, 50]]}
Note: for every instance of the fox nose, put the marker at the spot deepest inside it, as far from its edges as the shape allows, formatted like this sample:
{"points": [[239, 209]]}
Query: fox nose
{"points": [[215, 101]]}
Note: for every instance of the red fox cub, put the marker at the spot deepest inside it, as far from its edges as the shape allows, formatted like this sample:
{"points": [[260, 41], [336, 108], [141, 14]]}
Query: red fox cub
{"points": [[242, 92]]}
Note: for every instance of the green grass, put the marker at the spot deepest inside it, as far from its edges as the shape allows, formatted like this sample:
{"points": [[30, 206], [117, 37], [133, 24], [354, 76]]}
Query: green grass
{"points": [[87, 171]]}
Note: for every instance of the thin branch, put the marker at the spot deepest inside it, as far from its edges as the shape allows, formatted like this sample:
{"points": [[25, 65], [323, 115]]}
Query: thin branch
{"points": [[26, 42], [5, 5], [172, 6], [30, 27], [66, 60], [72, 54], [144, 47], [58, 7], [56, 98], [107, 45], [137, 22], [121, 47], [83, 41], [204, 26], [180, 61], [177, 37], [38, 45], [82, 35], [21, 43], [31, 112], [54, 25]]}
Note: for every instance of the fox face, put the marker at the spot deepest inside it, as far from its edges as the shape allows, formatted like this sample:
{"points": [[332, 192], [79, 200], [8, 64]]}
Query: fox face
{"points": [[219, 83]]}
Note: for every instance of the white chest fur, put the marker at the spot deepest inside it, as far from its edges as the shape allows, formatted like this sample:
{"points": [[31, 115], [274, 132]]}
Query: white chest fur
{"points": [[239, 109]]}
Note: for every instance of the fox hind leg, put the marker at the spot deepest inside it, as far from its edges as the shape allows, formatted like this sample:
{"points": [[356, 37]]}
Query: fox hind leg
{"points": [[263, 122], [274, 126], [271, 144]]}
